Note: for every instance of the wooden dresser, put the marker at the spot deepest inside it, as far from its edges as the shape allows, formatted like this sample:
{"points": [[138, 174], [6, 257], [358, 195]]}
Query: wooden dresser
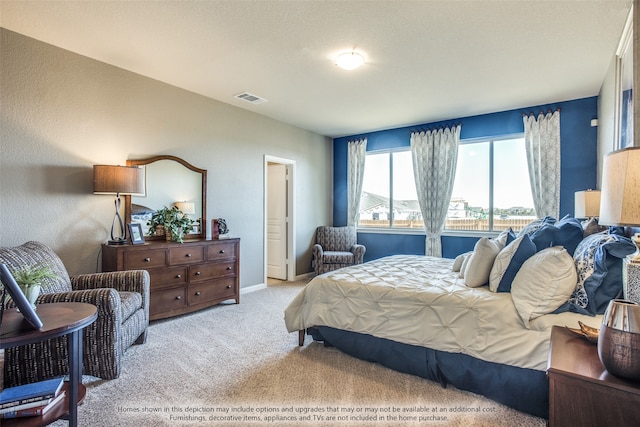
{"points": [[185, 277], [582, 392]]}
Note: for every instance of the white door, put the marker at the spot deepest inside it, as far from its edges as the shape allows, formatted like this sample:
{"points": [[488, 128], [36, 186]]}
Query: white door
{"points": [[277, 221]]}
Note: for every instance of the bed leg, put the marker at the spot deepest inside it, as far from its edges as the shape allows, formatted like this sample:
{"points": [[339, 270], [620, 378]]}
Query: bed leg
{"points": [[301, 337]]}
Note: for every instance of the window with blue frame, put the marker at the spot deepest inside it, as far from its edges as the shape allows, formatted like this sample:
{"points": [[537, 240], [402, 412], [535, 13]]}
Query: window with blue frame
{"points": [[491, 190]]}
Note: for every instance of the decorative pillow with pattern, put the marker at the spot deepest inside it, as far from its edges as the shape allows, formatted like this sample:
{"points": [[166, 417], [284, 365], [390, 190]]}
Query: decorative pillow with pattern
{"points": [[508, 263], [598, 261]]}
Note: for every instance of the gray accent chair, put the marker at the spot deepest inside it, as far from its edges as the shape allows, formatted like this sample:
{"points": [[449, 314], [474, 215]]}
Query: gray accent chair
{"points": [[336, 247], [122, 300]]}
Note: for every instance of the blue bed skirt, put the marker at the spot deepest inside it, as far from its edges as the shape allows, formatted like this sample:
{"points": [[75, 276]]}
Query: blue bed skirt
{"points": [[526, 390]]}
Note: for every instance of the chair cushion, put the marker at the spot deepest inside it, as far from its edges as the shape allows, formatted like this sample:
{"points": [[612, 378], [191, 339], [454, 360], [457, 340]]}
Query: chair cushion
{"points": [[35, 253], [130, 302], [333, 257]]}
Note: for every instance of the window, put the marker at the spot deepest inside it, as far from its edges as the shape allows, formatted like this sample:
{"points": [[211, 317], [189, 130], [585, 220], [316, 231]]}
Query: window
{"points": [[389, 198], [491, 190]]}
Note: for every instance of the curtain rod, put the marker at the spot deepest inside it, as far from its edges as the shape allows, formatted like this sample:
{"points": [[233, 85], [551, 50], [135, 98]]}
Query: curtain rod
{"points": [[429, 129], [541, 112], [357, 139]]}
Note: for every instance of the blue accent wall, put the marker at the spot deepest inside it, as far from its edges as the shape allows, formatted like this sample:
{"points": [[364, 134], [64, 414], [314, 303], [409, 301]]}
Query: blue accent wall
{"points": [[578, 152]]}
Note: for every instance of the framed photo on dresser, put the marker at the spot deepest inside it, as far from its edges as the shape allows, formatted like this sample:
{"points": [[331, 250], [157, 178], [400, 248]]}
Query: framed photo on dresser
{"points": [[135, 234]]}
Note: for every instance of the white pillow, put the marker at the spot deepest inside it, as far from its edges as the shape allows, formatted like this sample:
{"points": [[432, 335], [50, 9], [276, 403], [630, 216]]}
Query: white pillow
{"points": [[480, 262], [465, 261], [545, 282], [457, 263]]}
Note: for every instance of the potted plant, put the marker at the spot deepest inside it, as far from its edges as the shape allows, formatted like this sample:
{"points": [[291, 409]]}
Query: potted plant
{"points": [[174, 222], [30, 279]]}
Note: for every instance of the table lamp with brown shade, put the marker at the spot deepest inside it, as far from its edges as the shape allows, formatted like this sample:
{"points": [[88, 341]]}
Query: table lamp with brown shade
{"points": [[110, 179]]}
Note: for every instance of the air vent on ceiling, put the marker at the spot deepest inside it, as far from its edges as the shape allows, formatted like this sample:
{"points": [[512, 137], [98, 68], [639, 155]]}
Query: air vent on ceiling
{"points": [[249, 97]]}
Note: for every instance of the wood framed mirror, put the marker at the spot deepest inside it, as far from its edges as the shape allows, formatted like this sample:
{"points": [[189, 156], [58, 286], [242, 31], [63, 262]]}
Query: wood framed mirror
{"points": [[169, 180]]}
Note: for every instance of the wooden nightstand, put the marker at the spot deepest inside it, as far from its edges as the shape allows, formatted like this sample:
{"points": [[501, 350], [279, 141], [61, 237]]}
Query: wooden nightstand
{"points": [[581, 392]]}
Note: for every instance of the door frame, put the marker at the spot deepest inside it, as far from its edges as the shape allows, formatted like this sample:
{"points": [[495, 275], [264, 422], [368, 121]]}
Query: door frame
{"points": [[291, 223]]}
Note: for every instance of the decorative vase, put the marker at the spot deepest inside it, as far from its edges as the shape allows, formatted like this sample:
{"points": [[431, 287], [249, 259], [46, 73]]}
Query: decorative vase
{"points": [[31, 293], [619, 339]]}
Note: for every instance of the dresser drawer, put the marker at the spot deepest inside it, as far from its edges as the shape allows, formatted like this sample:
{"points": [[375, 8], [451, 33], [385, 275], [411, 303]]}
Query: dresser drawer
{"points": [[198, 273], [172, 276], [150, 258], [167, 299], [216, 290], [186, 255], [221, 251]]}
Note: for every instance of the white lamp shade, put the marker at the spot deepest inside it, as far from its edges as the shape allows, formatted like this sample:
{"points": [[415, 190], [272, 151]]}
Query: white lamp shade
{"points": [[620, 201], [587, 204], [188, 208]]}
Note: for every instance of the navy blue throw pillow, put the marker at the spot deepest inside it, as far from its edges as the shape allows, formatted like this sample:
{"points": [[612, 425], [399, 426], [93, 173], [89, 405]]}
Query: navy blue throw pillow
{"points": [[567, 232]]}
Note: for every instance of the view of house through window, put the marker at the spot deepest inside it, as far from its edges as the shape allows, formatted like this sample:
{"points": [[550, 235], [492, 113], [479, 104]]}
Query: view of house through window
{"points": [[491, 190]]}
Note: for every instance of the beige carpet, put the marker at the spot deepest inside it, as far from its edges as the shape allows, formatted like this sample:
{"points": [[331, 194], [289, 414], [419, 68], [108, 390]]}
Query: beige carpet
{"points": [[236, 365]]}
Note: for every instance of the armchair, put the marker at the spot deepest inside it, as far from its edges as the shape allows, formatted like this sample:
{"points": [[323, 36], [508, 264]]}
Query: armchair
{"points": [[122, 299], [336, 247]]}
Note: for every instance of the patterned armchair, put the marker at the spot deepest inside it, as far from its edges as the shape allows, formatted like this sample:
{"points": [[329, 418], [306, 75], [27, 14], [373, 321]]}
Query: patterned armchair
{"points": [[336, 247], [122, 299]]}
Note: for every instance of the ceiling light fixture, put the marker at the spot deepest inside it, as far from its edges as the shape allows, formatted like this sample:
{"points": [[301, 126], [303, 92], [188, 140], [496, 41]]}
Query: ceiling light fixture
{"points": [[349, 60]]}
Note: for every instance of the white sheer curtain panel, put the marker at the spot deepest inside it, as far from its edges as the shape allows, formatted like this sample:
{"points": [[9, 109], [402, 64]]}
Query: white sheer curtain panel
{"points": [[357, 154], [542, 141], [434, 154]]}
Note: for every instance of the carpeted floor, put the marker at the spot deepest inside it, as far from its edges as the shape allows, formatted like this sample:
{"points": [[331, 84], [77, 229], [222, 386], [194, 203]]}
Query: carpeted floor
{"points": [[236, 365]]}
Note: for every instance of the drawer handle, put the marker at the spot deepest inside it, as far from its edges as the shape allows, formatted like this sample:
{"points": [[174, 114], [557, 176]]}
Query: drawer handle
{"points": [[178, 297], [221, 251], [198, 293], [188, 255], [198, 273], [228, 286], [147, 260], [228, 268], [178, 276]]}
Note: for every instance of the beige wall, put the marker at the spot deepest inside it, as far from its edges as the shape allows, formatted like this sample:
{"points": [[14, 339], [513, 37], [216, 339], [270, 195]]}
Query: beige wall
{"points": [[62, 112]]}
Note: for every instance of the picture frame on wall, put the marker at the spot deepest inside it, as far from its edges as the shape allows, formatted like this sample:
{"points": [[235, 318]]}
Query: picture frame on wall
{"points": [[136, 237]]}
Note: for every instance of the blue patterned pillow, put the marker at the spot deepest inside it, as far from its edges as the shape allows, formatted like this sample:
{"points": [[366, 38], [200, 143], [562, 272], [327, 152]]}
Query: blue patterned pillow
{"points": [[567, 232], [598, 260]]}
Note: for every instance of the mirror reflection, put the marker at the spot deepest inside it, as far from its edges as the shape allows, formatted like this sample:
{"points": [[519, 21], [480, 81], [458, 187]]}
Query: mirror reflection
{"points": [[169, 181]]}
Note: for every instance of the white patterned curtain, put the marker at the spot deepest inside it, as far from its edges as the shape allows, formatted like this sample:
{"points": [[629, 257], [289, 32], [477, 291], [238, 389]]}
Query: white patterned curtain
{"points": [[435, 155], [357, 154], [542, 141]]}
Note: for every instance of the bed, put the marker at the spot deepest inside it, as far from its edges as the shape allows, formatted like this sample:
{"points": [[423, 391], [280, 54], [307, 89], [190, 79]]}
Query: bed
{"points": [[446, 321]]}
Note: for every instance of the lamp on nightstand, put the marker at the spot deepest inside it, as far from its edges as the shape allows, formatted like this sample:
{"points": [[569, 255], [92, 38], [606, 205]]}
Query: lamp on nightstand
{"points": [[619, 337], [620, 206], [108, 179]]}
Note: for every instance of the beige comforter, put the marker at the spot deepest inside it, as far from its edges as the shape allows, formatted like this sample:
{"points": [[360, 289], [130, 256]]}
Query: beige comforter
{"points": [[418, 300]]}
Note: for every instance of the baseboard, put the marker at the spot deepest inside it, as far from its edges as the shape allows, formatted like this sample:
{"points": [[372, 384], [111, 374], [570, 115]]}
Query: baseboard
{"points": [[305, 276], [252, 288]]}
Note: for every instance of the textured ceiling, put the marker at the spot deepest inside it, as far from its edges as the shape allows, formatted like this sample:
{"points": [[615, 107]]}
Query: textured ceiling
{"points": [[425, 60]]}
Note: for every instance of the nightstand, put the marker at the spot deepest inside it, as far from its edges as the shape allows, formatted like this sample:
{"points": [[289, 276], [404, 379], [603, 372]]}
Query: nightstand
{"points": [[581, 392]]}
